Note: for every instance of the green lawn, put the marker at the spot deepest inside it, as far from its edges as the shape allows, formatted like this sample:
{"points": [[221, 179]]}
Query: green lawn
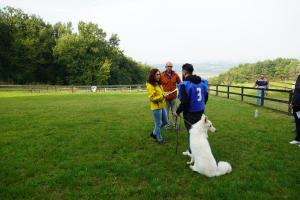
{"points": [[96, 146]]}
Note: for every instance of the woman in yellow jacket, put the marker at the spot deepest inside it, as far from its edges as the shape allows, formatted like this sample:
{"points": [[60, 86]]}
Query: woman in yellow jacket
{"points": [[157, 103]]}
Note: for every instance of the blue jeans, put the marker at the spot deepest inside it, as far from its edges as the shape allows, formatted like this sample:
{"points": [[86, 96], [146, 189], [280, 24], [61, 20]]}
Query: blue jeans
{"points": [[171, 105], [160, 119], [258, 101]]}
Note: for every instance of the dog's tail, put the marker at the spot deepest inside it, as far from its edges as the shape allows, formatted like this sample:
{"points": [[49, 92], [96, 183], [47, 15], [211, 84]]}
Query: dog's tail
{"points": [[223, 168]]}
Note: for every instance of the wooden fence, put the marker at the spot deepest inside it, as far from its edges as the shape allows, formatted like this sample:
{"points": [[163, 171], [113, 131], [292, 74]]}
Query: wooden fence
{"points": [[70, 88], [274, 99]]}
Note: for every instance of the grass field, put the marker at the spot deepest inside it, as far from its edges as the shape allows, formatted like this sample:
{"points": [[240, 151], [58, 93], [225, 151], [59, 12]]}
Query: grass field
{"points": [[96, 146]]}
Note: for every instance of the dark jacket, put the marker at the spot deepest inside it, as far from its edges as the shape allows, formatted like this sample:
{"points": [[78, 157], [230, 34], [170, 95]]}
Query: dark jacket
{"points": [[296, 100], [184, 104]]}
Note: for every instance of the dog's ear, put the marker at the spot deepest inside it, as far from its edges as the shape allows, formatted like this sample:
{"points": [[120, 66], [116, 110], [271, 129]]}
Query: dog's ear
{"points": [[203, 118], [206, 119]]}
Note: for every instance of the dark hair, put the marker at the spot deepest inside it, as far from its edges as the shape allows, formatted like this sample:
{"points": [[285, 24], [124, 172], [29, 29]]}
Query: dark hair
{"points": [[188, 67], [151, 77]]}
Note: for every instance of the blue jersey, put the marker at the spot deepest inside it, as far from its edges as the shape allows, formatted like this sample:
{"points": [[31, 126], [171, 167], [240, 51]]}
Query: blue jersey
{"points": [[196, 94]]}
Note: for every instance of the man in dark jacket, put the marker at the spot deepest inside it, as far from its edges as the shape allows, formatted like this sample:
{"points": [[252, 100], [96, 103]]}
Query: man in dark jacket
{"points": [[193, 95], [296, 111], [262, 84]]}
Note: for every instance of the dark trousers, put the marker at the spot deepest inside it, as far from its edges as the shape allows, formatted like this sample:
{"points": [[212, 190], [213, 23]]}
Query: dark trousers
{"points": [[191, 118], [297, 121]]}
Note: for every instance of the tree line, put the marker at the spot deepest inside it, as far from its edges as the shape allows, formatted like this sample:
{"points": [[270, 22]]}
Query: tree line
{"points": [[281, 69], [33, 51]]}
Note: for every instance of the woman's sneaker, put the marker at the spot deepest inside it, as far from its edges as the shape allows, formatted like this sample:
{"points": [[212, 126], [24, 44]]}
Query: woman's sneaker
{"points": [[162, 142], [152, 135]]}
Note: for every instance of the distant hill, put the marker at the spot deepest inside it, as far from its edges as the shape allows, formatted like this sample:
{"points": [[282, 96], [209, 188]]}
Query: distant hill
{"points": [[281, 69], [205, 70]]}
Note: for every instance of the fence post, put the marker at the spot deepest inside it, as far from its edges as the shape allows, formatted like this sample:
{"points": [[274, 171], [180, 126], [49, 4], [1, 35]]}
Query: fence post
{"points": [[217, 90], [290, 101], [228, 91], [242, 93], [262, 97]]}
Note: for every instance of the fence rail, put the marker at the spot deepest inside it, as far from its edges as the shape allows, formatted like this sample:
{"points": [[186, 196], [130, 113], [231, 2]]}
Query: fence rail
{"points": [[274, 99], [70, 88]]}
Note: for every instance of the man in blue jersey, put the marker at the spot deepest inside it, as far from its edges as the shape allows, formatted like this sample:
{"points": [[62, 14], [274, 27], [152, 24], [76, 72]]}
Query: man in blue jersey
{"points": [[193, 95]]}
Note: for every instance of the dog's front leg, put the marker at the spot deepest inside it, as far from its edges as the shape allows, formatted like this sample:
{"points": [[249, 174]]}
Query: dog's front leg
{"points": [[193, 167]]}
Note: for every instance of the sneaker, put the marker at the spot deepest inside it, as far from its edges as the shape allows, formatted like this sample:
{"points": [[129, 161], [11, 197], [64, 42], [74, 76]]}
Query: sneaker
{"points": [[294, 142], [167, 127], [152, 135], [162, 142]]}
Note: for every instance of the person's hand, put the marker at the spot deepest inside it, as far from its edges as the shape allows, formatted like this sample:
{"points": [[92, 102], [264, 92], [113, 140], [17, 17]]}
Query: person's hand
{"points": [[175, 114], [166, 94]]}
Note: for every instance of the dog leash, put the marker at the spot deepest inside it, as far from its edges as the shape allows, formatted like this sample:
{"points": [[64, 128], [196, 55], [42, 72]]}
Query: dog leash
{"points": [[189, 123]]}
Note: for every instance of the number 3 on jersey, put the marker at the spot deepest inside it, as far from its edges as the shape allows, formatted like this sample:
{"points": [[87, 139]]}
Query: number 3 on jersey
{"points": [[199, 94]]}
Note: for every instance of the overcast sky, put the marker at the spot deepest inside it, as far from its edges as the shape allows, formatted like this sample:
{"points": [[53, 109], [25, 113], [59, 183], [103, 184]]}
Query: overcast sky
{"points": [[154, 31]]}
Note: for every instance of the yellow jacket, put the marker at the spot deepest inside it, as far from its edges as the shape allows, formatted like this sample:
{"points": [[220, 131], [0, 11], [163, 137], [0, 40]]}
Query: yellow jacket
{"points": [[155, 95]]}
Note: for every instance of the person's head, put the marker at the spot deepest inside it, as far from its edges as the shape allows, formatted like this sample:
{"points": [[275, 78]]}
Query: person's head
{"points": [[169, 66], [261, 77], [154, 76], [187, 69]]}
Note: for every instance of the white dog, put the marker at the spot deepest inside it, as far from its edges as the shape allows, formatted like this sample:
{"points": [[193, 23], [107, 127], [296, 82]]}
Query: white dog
{"points": [[202, 157]]}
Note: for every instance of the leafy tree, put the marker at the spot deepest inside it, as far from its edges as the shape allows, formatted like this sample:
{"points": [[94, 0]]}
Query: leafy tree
{"points": [[32, 51], [104, 72], [280, 69], [114, 40]]}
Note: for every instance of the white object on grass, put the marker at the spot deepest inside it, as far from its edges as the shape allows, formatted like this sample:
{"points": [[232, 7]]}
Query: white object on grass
{"points": [[256, 113], [294, 142], [94, 88]]}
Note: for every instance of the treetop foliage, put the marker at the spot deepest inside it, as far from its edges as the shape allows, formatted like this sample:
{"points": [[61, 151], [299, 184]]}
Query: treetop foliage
{"points": [[281, 69], [33, 51]]}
